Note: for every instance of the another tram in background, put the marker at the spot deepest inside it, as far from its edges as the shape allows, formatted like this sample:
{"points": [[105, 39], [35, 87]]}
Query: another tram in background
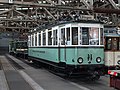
{"points": [[19, 48], [71, 47], [112, 48]]}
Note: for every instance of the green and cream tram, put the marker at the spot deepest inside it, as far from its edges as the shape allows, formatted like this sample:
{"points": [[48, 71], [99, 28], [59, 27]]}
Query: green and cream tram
{"points": [[75, 46]]}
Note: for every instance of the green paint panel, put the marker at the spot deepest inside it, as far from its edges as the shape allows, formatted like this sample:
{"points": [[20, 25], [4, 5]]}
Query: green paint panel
{"points": [[69, 55], [88, 54], [44, 53]]}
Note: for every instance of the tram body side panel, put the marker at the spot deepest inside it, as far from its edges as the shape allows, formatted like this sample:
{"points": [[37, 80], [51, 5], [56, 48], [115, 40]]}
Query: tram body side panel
{"points": [[68, 55], [49, 54], [117, 58], [112, 58], [109, 58]]}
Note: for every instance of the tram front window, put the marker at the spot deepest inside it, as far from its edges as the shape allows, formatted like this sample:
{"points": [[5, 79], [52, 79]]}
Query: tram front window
{"points": [[90, 36], [85, 36], [93, 36]]}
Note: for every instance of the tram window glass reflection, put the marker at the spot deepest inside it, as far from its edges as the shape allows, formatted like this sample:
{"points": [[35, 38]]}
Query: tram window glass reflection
{"points": [[55, 37], [49, 37], [39, 39], [85, 35], [93, 36], [74, 35], [35, 39], [44, 38], [68, 36], [63, 36]]}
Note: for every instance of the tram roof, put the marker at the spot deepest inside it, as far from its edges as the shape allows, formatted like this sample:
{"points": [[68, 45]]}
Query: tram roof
{"points": [[57, 23]]}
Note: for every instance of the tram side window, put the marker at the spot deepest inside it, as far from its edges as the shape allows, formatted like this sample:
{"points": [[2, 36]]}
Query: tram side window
{"points": [[49, 37], [108, 43], [18, 45], [35, 39], [101, 36], [115, 44], [44, 38], [80, 38], [63, 36], [32, 40], [39, 39], [68, 36], [25, 45], [74, 35], [55, 37], [29, 41]]}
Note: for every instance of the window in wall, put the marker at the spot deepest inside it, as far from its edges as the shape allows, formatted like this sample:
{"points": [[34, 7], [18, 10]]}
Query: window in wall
{"points": [[74, 35], [44, 38], [39, 39], [85, 36], [68, 35], [49, 37], [63, 36], [55, 37], [93, 36]]}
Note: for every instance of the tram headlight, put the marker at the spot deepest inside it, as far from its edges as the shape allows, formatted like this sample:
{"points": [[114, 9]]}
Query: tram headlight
{"points": [[98, 59], [80, 60], [118, 62]]}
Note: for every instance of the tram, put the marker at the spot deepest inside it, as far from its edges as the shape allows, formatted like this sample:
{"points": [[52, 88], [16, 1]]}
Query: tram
{"points": [[19, 48], [74, 47], [112, 48]]}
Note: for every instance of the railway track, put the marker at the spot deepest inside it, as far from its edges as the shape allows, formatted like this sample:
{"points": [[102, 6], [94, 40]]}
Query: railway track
{"points": [[11, 72], [42, 77]]}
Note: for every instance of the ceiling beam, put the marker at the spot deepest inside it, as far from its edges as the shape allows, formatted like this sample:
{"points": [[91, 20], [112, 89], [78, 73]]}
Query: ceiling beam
{"points": [[23, 14], [6, 11], [23, 3]]}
